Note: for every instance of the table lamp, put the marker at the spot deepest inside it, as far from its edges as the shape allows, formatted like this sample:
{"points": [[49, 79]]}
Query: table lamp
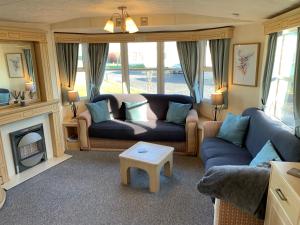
{"points": [[73, 97], [29, 86], [217, 100]]}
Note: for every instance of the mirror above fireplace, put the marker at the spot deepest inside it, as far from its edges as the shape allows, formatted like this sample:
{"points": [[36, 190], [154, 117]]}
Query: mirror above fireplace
{"points": [[18, 71]]}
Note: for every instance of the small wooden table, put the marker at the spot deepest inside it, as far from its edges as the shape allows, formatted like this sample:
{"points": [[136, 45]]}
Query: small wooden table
{"points": [[71, 134], [149, 157]]}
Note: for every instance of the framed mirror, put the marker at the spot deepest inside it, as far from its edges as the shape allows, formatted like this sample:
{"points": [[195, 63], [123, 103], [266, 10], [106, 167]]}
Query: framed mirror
{"points": [[18, 74]]}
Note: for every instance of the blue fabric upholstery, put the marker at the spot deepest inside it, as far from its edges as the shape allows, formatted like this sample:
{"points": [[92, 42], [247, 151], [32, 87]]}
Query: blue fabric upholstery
{"points": [[216, 152], [153, 130]]}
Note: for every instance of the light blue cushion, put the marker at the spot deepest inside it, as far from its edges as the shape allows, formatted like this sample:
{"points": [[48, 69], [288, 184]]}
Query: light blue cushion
{"points": [[136, 111], [234, 128], [265, 155], [177, 112], [99, 111]]}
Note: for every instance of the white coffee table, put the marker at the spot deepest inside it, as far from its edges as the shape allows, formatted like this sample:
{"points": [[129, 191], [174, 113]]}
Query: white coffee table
{"points": [[149, 157]]}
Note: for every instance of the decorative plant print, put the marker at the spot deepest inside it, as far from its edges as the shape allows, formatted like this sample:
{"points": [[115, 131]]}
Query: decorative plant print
{"points": [[244, 62], [14, 65]]}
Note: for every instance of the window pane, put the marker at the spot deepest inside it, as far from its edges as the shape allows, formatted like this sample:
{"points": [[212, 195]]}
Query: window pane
{"points": [[80, 61], [280, 99], [208, 62], [208, 76], [114, 56], [174, 79], [175, 83], [208, 84], [143, 81], [142, 55], [112, 82], [171, 59], [80, 84]]}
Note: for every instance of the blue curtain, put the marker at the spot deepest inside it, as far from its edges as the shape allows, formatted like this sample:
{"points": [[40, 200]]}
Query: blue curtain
{"points": [[219, 50], [97, 57], [189, 56], [29, 63], [297, 89], [67, 58], [269, 64]]}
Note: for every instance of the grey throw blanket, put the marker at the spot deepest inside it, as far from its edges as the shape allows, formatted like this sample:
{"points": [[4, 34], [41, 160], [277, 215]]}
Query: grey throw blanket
{"points": [[243, 186]]}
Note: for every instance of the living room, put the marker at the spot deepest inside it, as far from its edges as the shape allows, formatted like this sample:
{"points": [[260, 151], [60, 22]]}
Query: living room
{"points": [[150, 112]]}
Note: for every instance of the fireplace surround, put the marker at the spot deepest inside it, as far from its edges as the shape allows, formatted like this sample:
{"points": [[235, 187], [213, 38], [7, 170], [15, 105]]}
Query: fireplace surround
{"points": [[28, 147]]}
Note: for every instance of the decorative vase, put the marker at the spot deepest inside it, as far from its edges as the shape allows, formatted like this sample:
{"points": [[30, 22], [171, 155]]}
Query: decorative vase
{"points": [[23, 103]]}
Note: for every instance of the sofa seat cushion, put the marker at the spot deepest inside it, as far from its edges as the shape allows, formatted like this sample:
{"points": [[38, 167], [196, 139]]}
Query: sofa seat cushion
{"points": [[218, 152], [152, 130]]}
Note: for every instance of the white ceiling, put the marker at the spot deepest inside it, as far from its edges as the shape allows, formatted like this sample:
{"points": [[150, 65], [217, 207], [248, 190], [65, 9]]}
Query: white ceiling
{"points": [[53, 11]]}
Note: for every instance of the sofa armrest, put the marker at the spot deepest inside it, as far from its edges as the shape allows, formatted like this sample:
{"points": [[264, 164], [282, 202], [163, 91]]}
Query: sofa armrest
{"points": [[84, 121], [191, 129], [192, 116], [211, 128]]}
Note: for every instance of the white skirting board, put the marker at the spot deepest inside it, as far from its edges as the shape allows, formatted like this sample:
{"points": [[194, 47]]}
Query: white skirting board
{"points": [[29, 173]]}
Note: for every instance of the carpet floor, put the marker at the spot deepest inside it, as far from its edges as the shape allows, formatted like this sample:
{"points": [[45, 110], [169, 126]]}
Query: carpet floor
{"points": [[86, 190]]}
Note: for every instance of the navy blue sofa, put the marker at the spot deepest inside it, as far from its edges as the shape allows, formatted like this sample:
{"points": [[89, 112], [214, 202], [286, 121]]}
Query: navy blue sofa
{"points": [[216, 152]]}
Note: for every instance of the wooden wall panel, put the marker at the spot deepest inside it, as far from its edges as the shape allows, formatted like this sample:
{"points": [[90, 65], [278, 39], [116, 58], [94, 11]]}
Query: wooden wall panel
{"points": [[219, 33], [285, 21]]}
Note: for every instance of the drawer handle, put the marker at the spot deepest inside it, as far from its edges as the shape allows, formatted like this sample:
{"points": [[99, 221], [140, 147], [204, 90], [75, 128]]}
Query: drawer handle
{"points": [[280, 194]]}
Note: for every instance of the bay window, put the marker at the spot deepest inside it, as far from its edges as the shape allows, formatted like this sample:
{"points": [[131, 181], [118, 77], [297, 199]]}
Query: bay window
{"points": [[145, 67]]}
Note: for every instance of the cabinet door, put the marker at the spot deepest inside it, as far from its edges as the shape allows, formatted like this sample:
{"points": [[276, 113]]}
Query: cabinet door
{"points": [[275, 215]]}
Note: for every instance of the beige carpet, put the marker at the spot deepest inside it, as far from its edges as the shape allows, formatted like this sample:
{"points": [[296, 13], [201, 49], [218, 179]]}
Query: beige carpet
{"points": [[86, 190]]}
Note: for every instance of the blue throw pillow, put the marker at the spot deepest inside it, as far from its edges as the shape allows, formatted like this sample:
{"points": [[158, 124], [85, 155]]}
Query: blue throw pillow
{"points": [[99, 111], [136, 111], [177, 112], [234, 128], [265, 155]]}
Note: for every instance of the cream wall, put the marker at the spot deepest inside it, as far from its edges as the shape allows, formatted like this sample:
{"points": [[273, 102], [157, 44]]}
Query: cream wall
{"points": [[242, 97]]}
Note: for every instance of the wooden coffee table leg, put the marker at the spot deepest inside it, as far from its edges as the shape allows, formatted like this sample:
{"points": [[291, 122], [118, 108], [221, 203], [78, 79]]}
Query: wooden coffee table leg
{"points": [[168, 168], [154, 178], [125, 172]]}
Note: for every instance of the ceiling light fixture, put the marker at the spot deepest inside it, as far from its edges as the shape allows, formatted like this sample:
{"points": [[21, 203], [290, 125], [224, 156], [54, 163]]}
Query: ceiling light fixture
{"points": [[127, 23]]}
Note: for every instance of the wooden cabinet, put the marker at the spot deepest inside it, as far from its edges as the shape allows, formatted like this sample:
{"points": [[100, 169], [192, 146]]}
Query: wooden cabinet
{"points": [[71, 132], [283, 206]]}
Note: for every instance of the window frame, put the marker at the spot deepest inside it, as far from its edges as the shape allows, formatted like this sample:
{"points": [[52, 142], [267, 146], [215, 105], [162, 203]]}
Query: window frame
{"points": [[160, 69], [277, 78]]}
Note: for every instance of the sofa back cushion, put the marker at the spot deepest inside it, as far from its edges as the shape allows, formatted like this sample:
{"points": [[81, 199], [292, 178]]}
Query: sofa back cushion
{"points": [[262, 128], [158, 104]]}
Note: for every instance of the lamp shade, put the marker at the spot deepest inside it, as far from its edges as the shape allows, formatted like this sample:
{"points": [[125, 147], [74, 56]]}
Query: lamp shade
{"points": [[109, 26], [73, 96], [217, 99], [29, 86], [130, 25]]}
